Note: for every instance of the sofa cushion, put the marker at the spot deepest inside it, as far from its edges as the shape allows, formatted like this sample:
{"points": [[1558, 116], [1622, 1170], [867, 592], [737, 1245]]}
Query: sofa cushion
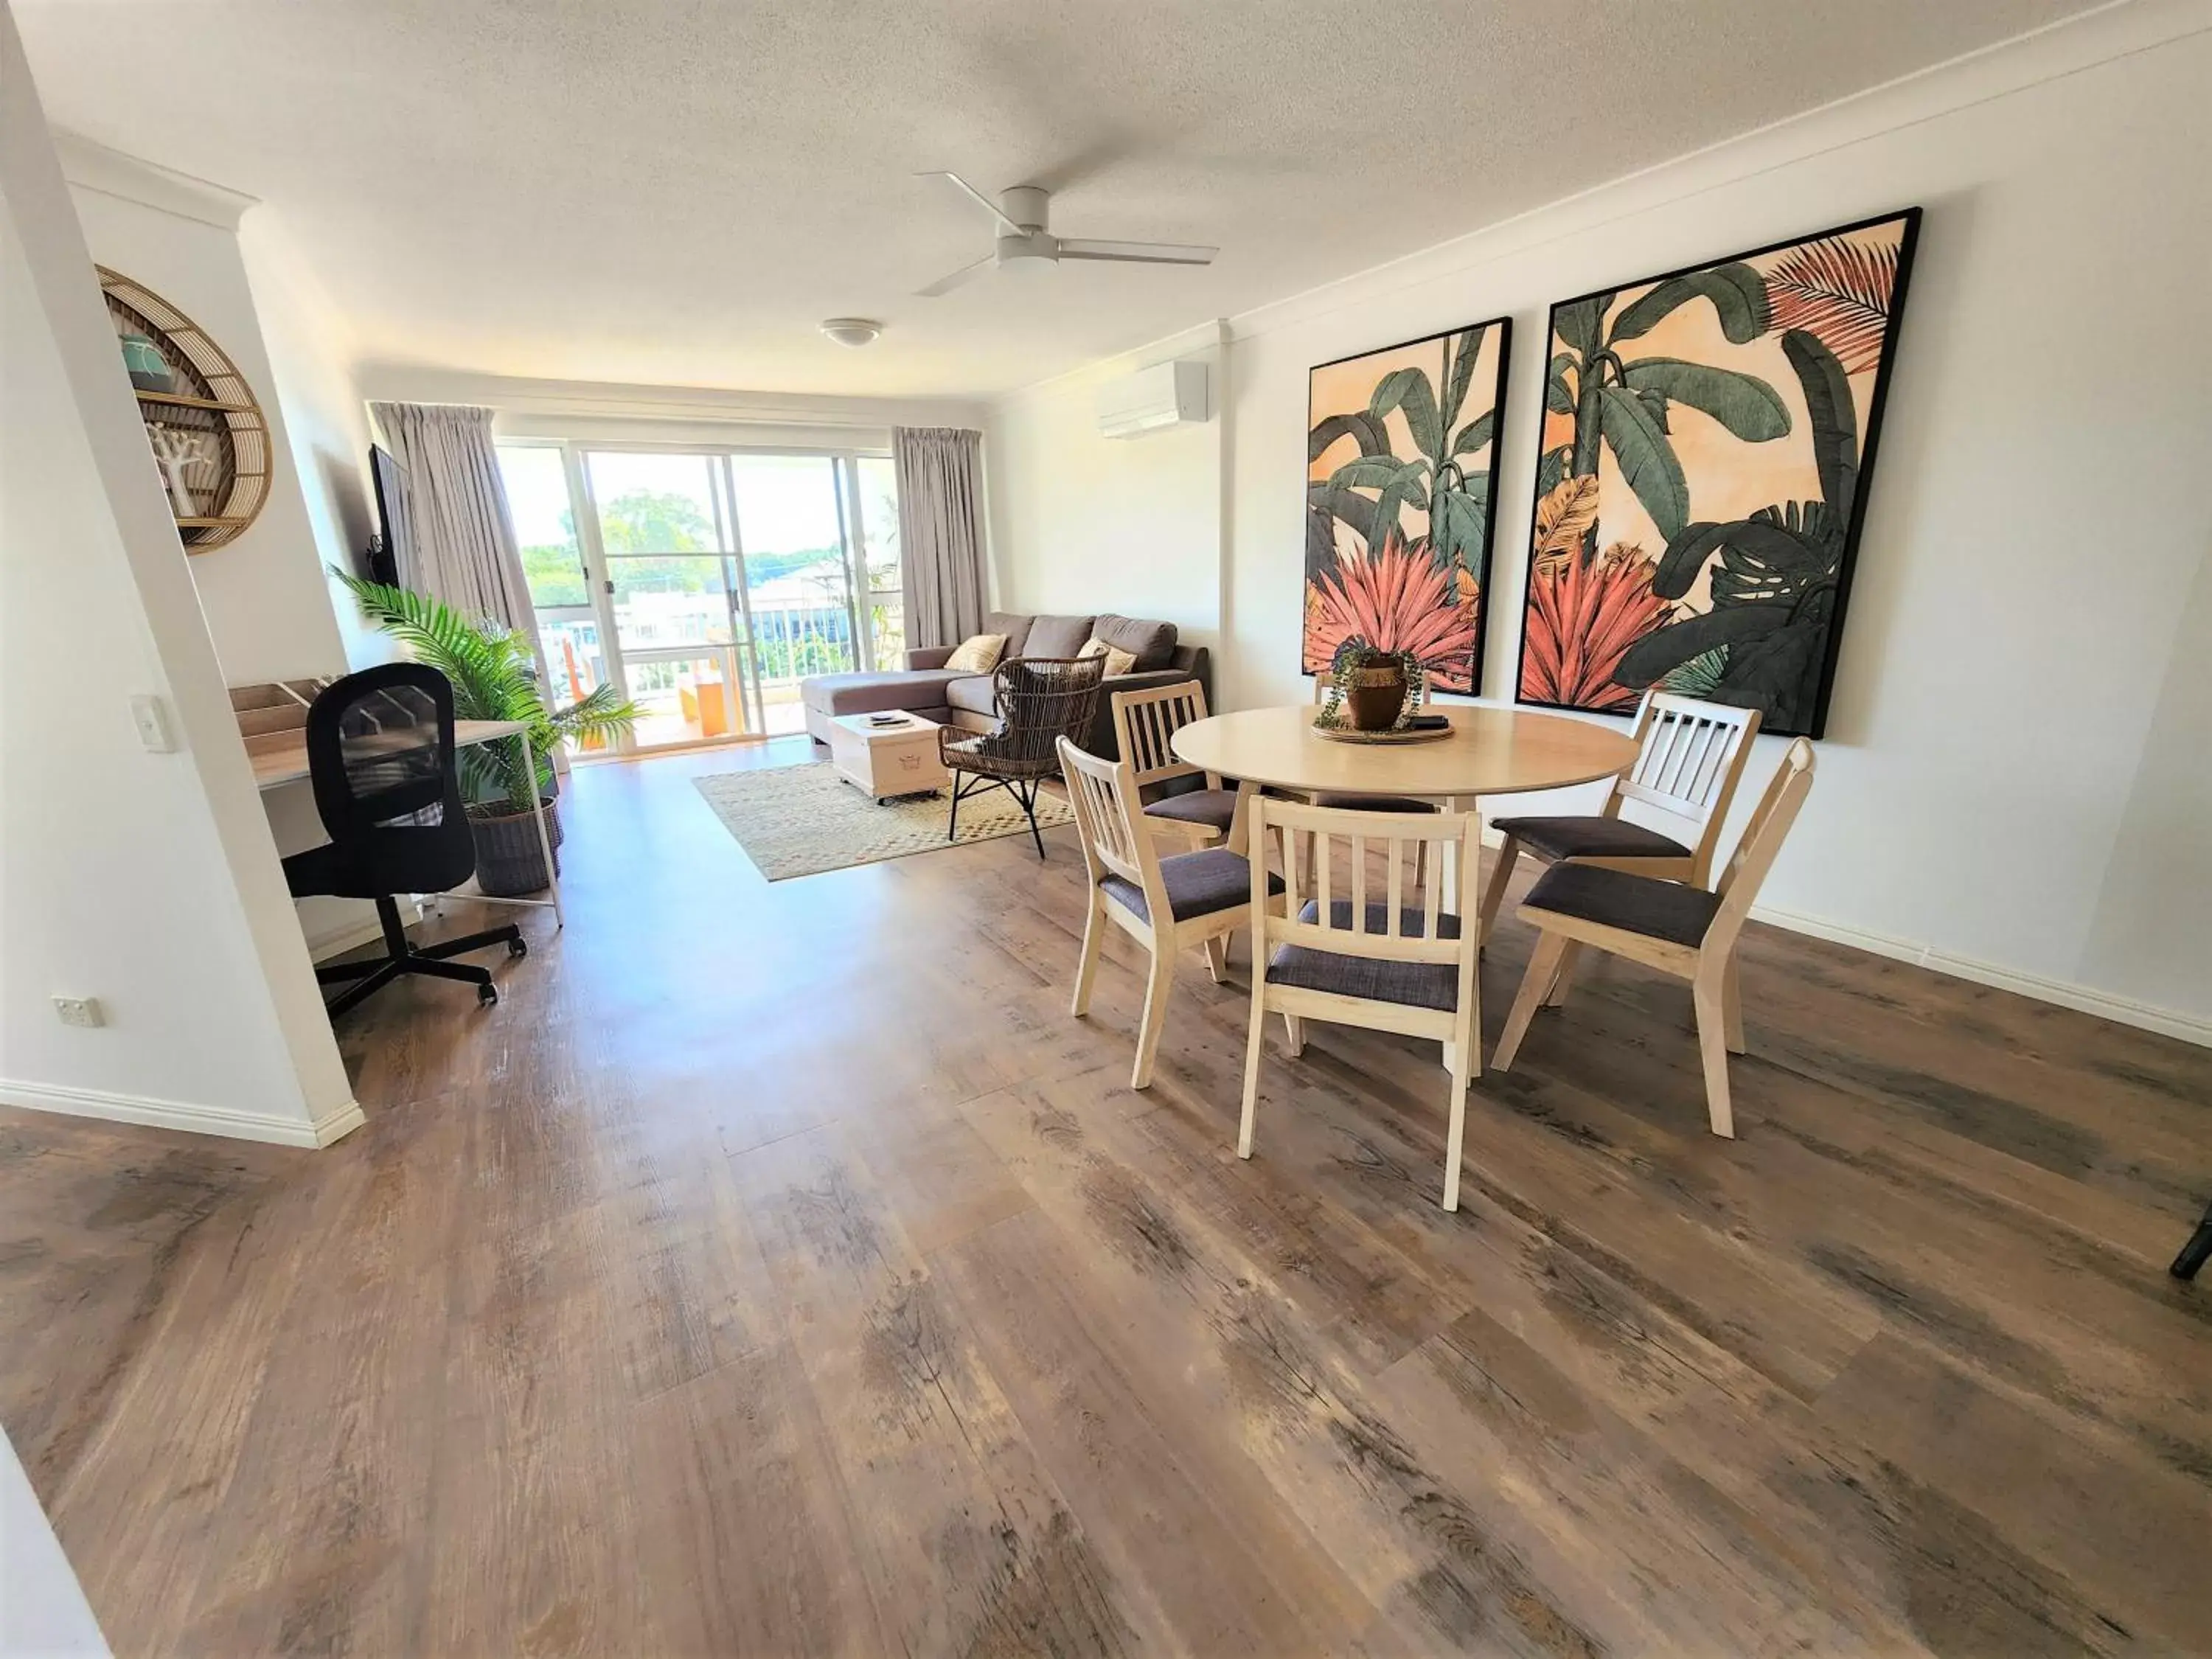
{"points": [[979, 654], [1055, 636], [1118, 661], [872, 694], [1151, 643], [1409, 984], [977, 694], [1015, 627]]}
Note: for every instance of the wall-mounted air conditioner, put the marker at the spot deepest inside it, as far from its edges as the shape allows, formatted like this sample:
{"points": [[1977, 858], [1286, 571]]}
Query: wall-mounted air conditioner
{"points": [[1152, 399]]}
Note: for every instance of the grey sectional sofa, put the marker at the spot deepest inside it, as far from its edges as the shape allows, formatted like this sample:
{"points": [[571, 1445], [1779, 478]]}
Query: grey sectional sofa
{"points": [[924, 687]]}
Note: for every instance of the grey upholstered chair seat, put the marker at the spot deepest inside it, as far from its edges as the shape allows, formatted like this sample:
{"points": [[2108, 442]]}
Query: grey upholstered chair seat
{"points": [[1637, 904], [1215, 806], [1337, 801], [1198, 884], [1591, 838], [1411, 984]]}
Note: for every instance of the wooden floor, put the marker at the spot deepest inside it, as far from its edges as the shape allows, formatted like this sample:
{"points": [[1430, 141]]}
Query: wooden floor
{"points": [[780, 1270]]}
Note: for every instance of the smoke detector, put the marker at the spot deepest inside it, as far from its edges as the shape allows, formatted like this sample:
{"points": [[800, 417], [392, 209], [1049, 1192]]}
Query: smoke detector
{"points": [[853, 331]]}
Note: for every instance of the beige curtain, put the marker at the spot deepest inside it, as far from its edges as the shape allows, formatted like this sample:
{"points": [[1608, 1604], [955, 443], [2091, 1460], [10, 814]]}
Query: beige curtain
{"points": [[458, 542], [940, 510]]}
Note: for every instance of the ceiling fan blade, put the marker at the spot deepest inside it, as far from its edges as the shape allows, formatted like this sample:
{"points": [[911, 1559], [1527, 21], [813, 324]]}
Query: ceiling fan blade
{"points": [[981, 200], [946, 285], [1139, 253]]}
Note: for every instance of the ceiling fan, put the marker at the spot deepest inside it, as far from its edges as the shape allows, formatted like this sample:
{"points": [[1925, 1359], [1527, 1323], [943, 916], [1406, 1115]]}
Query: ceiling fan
{"points": [[1023, 241]]}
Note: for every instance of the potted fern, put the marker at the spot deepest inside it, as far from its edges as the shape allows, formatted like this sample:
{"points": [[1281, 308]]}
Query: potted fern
{"points": [[495, 678]]}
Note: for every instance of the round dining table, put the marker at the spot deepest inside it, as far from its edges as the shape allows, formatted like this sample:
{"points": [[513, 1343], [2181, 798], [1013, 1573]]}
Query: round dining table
{"points": [[1490, 751]]}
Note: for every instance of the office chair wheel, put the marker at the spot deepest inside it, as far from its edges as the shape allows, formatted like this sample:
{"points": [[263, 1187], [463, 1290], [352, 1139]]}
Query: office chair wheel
{"points": [[487, 995], [518, 947]]}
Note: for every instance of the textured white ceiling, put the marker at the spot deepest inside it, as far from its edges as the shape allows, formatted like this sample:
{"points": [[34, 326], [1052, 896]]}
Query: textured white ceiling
{"points": [[676, 192]]}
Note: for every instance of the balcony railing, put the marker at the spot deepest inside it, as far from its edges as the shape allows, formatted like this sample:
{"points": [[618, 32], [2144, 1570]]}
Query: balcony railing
{"points": [[793, 639]]}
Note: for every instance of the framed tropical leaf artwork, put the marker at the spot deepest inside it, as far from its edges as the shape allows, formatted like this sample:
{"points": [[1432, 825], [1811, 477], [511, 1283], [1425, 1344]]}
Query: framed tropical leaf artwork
{"points": [[1702, 478], [1401, 464]]}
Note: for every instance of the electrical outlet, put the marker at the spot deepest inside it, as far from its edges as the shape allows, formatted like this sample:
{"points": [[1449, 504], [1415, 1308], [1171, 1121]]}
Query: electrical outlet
{"points": [[151, 716], [80, 1011]]}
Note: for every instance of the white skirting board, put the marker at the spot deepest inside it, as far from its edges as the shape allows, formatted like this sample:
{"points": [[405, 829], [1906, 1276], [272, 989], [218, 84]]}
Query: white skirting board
{"points": [[2144, 1016], [357, 930], [178, 1115], [2148, 1017]]}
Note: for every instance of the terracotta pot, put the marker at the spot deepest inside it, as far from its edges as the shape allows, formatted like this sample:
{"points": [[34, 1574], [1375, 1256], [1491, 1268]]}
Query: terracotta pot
{"points": [[1374, 696], [509, 861]]}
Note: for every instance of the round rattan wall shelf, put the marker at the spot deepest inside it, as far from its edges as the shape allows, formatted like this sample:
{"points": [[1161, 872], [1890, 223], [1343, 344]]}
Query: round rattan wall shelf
{"points": [[207, 431]]}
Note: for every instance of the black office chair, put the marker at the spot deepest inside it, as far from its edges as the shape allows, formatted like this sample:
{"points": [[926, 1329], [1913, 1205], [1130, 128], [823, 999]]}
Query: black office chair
{"points": [[380, 756]]}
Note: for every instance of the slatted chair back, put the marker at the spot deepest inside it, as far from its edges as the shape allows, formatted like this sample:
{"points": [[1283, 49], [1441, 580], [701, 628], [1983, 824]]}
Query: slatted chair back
{"points": [[1412, 967], [1145, 725], [1108, 822], [1762, 839], [1357, 911], [1689, 754]]}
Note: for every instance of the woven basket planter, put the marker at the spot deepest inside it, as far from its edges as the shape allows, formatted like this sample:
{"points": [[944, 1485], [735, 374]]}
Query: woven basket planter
{"points": [[509, 861]]}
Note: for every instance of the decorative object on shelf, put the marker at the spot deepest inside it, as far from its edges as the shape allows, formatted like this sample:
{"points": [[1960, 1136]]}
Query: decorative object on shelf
{"points": [[177, 452], [148, 370], [1402, 467], [1371, 689], [210, 438], [1720, 387], [495, 678]]}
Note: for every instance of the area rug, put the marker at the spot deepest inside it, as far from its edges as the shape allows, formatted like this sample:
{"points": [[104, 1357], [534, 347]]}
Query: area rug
{"points": [[802, 820]]}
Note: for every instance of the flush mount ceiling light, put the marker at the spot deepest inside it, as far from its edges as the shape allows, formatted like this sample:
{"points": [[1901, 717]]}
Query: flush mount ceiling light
{"points": [[853, 331]]}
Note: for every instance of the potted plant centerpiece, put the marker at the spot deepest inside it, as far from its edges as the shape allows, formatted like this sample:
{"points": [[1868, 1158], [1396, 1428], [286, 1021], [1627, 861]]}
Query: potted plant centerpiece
{"points": [[495, 678], [1371, 689]]}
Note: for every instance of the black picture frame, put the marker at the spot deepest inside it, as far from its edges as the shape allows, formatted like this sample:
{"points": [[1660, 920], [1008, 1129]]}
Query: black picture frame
{"points": [[1813, 722], [1320, 547]]}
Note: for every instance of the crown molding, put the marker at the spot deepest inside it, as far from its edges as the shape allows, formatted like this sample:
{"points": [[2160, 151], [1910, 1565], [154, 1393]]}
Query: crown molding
{"points": [[1183, 343], [94, 167], [388, 382]]}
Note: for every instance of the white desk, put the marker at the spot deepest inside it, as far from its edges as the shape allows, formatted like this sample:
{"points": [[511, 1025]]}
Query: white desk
{"points": [[281, 757]]}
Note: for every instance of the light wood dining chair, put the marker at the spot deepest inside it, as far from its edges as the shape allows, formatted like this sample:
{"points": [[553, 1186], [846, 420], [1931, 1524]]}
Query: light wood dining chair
{"points": [[1343, 800], [1359, 950], [1166, 904], [1145, 725], [1689, 757], [1680, 930]]}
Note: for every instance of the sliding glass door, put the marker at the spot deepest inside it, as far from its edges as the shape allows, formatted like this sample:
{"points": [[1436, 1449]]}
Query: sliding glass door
{"points": [[706, 582], [561, 588], [670, 558], [798, 576]]}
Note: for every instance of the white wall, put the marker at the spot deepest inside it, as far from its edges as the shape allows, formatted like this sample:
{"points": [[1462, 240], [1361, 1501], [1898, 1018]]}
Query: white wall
{"points": [[2152, 937], [2016, 714], [273, 611], [311, 353], [43, 1613], [146, 880], [267, 605], [1081, 523]]}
